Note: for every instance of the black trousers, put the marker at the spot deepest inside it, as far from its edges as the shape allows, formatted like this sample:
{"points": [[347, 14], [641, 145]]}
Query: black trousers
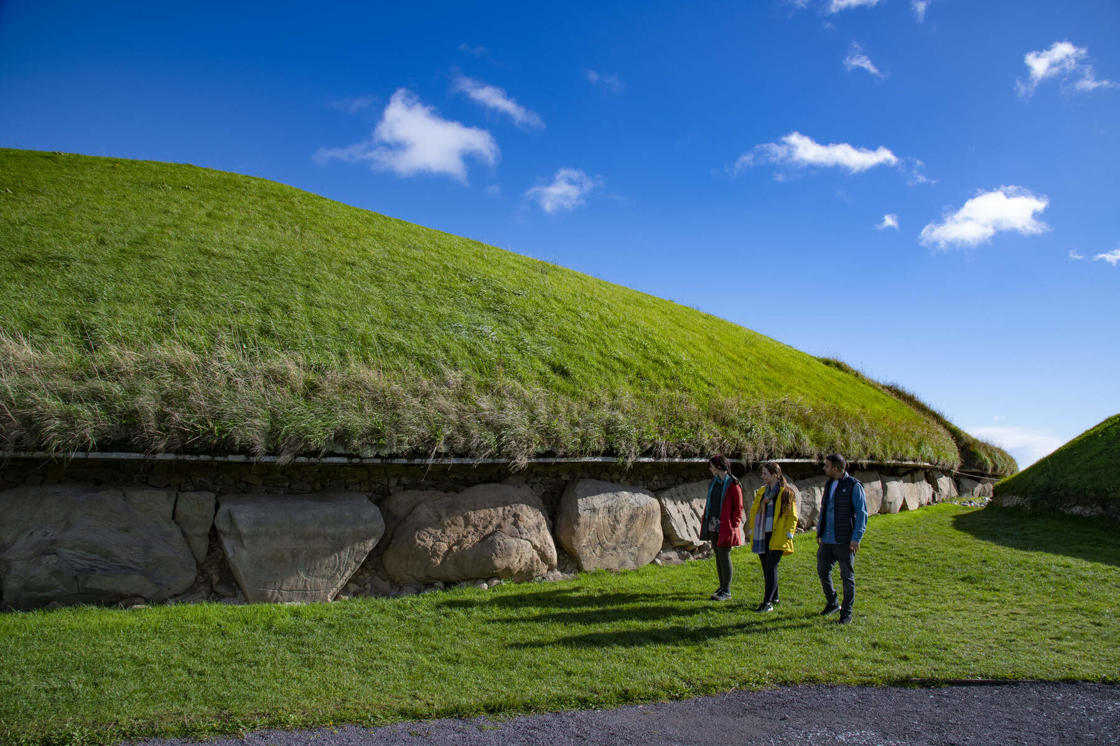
{"points": [[770, 560], [841, 554], [724, 568]]}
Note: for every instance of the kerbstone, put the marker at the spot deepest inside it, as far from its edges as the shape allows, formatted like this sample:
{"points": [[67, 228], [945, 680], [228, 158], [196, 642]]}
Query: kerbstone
{"points": [[296, 548], [487, 531], [609, 526], [809, 494], [944, 488], [872, 490], [194, 513], [894, 494], [72, 544], [682, 509]]}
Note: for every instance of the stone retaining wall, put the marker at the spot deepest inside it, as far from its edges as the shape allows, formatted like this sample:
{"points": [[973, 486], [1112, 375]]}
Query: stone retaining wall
{"points": [[145, 531]]}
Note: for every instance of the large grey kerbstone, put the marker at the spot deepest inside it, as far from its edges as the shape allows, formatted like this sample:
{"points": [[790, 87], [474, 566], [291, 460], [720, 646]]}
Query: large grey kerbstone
{"points": [[916, 491], [682, 509], [609, 526], [944, 488], [894, 494], [809, 494], [872, 490], [285, 548], [194, 512], [77, 544], [486, 531], [968, 487]]}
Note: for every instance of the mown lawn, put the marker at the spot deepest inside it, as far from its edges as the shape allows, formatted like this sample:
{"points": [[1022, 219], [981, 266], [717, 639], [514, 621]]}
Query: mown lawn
{"points": [[944, 593]]}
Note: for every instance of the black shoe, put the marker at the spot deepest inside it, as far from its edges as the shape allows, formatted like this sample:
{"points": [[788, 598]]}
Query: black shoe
{"points": [[830, 608], [721, 596], [764, 607], [776, 601], [845, 618]]}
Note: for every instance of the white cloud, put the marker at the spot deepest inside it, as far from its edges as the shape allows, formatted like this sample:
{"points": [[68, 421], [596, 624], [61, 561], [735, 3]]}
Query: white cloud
{"points": [[411, 139], [919, 7], [1025, 444], [1075, 256], [1089, 81], [857, 59], [1008, 208], [354, 105], [889, 220], [1062, 59], [609, 83], [1112, 257], [495, 98], [568, 190], [798, 150], [835, 6], [478, 51]]}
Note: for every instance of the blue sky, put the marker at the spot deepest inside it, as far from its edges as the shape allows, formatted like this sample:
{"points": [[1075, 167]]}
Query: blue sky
{"points": [[926, 190]]}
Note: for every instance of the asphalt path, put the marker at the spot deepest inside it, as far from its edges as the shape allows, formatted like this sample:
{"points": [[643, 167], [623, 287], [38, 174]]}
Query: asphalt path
{"points": [[1024, 713]]}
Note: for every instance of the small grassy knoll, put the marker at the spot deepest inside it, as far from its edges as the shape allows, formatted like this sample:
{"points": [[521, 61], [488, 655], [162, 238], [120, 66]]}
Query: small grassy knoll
{"points": [[1082, 472], [944, 593]]}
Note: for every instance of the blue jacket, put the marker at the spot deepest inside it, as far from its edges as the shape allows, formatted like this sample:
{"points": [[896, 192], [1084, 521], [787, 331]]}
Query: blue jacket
{"points": [[844, 514]]}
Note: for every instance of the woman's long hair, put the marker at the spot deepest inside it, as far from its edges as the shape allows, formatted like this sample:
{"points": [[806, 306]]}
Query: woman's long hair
{"points": [[784, 490], [721, 462]]}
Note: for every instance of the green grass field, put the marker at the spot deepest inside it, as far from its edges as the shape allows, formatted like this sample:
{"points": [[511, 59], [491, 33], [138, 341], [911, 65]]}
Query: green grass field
{"points": [[943, 593], [1082, 471], [168, 308]]}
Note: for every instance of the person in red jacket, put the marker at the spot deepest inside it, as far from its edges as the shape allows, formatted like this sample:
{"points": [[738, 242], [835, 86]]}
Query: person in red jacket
{"points": [[722, 521]]}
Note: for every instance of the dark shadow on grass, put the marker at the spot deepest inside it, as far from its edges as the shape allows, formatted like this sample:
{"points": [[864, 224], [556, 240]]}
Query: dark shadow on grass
{"points": [[571, 598], [673, 635], [1092, 539], [608, 614]]}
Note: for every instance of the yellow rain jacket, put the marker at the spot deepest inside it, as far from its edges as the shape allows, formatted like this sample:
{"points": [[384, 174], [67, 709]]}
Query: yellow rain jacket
{"points": [[785, 522]]}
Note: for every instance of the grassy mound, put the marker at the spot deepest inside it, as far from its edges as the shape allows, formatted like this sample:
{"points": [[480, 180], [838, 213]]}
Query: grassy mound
{"points": [[158, 307], [1082, 472]]}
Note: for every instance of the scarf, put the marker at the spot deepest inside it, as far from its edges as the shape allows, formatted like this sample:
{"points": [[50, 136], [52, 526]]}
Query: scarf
{"points": [[764, 520]]}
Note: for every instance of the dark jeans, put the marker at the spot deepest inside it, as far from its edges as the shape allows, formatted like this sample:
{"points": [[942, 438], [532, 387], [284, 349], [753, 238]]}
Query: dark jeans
{"points": [[769, 562], [827, 556], [724, 568]]}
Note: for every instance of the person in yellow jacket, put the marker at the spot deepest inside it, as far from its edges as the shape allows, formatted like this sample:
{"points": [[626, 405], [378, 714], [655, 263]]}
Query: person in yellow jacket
{"points": [[772, 523]]}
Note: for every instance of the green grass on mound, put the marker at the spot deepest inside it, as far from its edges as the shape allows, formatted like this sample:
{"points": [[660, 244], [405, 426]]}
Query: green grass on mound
{"points": [[159, 307], [1083, 471], [943, 593]]}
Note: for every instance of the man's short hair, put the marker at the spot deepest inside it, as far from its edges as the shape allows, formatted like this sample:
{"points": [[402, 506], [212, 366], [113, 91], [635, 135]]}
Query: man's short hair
{"points": [[837, 460]]}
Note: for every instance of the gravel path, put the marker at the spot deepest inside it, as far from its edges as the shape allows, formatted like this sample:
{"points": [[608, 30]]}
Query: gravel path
{"points": [[1004, 714]]}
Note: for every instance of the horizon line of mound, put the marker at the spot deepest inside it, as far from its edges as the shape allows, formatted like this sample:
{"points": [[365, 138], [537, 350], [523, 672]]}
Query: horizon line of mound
{"points": [[171, 309], [1079, 477]]}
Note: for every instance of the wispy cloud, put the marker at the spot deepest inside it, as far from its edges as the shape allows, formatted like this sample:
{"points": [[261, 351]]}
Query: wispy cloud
{"points": [[1062, 60], [568, 190], [835, 6], [797, 149], [412, 138], [890, 220], [355, 104], [856, 59], [1089, 82], [608, 83], [1112, 257], [474, 51], [919, 7], [497, 99], [1027, 445], [1009, 208], [1075, 256]]}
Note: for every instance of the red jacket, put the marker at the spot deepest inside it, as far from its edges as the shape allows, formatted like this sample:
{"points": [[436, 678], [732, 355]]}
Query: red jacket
{"points": [[731, 517]]}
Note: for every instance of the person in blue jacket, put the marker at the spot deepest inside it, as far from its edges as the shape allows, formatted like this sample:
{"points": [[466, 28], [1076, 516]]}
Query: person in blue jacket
{"points": [[842, 523]]}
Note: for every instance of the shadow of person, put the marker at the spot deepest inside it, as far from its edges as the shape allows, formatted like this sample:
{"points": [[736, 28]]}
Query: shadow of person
{"points": [[1091, 539]]}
